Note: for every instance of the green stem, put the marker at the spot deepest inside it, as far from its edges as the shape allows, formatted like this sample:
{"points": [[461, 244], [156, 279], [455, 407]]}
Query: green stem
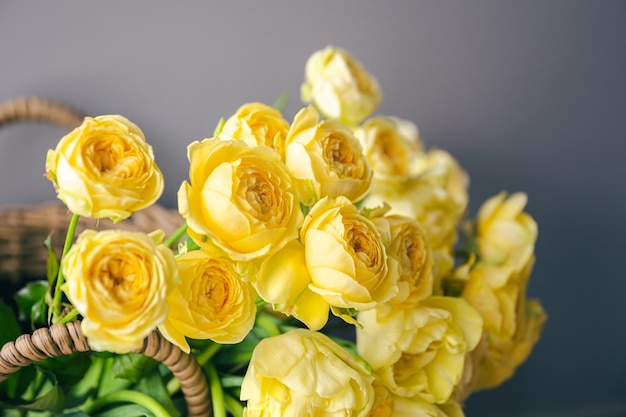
{"points": [[135, 397], [217, 393], [268, 325], [70, 316], [56, 300], [169, 242], [233, 405], [281, 101]]}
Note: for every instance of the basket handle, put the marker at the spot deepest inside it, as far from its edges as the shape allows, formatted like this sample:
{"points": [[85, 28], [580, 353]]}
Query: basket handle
{"points": [[36, 108], [63, 339]]}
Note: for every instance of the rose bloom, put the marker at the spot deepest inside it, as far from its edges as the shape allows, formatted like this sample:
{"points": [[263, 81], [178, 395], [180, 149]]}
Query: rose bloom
{"points": [[326, 159], [283, 281], [305, 373], [240, 197], [345, 256], [392, 146], [211, 302], [512, 323], [339, 86], [258, 124], [119, 281], [420, 351], [105, 168], [387, 404], [505, 234], [406, 242]]}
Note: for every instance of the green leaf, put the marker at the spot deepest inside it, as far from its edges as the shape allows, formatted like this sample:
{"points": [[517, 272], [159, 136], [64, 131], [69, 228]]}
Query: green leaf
{"points": [[281, 101], [152, 385], [52, 400], [128, 410], [10, 328], [52, 262], [31, 302], [15, 385], [133, 366], [67, 369]]}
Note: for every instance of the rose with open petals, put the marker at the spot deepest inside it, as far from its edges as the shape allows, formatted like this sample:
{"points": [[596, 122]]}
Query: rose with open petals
{"points": [[305, 373], [241, 198], [105, 168], [345, 256], [406, 242], [283, 281], [119, 281], [211, 302], [326, 159], [392, 146], [420, 351], [339, 86], [258, 124]]}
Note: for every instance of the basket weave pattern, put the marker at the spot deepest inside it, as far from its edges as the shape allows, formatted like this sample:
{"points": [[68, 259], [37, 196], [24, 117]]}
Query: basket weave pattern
{"points": [[64, 339], [23, 229]]}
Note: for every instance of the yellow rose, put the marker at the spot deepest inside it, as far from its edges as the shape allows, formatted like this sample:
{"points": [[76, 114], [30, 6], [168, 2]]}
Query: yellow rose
{"points": [[406, 242], [512, 324], [345, 256], [505, 234], [305, 373], [105, 168], [241, 198], [211, 302], [119, 281], [391, 145], [258, 124], [283, 281], [420, 351], [326, 159], [339, 86], [387, 404], [504, 356]]}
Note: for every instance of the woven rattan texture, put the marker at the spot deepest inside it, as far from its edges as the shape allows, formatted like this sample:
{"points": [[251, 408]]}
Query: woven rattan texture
{"points": [[24, 229], [63, 339], [35, 108]]}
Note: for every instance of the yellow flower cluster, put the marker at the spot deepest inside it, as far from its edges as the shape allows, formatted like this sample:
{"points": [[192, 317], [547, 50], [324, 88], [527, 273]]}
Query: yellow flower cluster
{"points": [[331, 213]]}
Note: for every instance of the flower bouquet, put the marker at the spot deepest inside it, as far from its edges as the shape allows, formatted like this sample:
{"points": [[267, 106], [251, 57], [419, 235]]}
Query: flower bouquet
{"points": [[326, 266]]}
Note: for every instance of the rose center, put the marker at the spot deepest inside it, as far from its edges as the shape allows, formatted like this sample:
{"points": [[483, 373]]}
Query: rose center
{"points": [[341, 158]]}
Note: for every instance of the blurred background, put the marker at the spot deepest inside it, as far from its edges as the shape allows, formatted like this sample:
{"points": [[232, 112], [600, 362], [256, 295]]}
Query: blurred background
{"points": [[528, 96]]}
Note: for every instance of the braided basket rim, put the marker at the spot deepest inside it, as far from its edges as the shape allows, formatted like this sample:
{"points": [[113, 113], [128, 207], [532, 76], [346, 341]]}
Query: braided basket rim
{"points": [[66, 338], [62, 339]]}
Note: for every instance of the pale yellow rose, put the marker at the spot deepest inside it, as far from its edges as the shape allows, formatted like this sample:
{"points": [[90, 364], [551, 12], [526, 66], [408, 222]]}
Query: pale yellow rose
{"points": [[345, 256], [326, 159], [305, 373], [436, 198], [339, 86], [105, 168], [406, 242], [505, 234], [241, 198], [512, 324], [119, 282], [283, 281], [392, 146], [258, 124], [211, 302], [420, 351], [505, 356], [387, 404]]}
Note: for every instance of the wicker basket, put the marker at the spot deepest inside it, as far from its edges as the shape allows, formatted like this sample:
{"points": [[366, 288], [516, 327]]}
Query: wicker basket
{"points": [[23, 230]]}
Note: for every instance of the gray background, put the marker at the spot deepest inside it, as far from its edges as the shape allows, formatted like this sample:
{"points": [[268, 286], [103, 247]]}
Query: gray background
{"points": [[527, 95]]}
